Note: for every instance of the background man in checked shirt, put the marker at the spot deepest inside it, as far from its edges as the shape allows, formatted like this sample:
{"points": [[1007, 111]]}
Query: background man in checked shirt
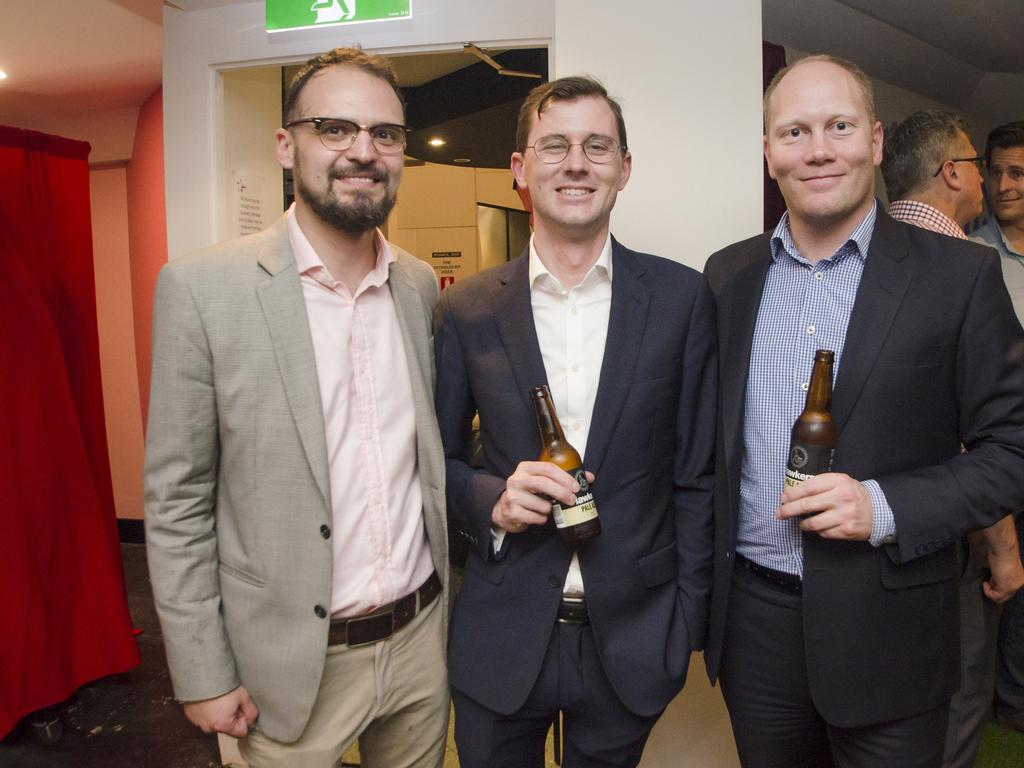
{"points": [[933, 179], [834, 625]]}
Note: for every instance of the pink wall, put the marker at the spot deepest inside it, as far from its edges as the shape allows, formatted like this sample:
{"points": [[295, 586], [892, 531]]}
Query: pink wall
{"points": [[115, 325], [147, 229]]}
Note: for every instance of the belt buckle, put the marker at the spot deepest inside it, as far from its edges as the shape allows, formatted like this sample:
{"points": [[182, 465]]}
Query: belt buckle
{"points": [[362, 620]]}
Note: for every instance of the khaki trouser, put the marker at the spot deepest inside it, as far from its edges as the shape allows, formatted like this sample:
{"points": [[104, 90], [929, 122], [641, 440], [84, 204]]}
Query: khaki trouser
{"points": [[391, 695]]}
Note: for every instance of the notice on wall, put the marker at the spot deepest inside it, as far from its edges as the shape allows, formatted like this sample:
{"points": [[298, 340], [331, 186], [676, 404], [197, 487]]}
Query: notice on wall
{"points": [[447, 266], [253, 203]]}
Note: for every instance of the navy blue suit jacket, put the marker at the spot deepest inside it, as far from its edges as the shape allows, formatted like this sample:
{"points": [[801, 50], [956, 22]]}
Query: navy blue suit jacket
{"points": [[933, 359], [651, 448]]}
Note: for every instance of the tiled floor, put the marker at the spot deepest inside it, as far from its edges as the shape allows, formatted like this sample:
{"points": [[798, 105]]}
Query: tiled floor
{"points": [[131, 720]]}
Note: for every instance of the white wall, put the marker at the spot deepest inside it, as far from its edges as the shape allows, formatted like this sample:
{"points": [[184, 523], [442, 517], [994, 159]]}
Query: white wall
{"points": [[688, 76]]}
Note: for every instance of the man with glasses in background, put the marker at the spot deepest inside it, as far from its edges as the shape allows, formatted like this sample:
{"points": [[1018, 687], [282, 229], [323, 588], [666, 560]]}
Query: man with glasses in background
{"points": [[600, 635], [294, 472], [1004, 231], [933, 177]]}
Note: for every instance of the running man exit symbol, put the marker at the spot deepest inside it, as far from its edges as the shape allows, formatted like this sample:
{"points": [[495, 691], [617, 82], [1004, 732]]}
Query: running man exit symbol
{"points": [[330, 11]]}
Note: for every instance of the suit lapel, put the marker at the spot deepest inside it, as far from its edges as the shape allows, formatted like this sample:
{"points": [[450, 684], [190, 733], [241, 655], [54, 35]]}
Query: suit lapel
{"points": [[410, 310], [886, 277], [627, 320], [743, 305], [516, 329], [284, 311]]}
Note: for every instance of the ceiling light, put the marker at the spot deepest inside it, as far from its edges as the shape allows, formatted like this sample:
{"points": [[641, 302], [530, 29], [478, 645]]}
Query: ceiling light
{"points": [[3, 75], [461, 160], [437, 141]]}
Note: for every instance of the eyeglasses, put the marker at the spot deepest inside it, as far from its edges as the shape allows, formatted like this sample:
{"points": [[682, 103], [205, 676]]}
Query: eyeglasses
{"points": [[979, 161], [554, 149], [338, 135]]}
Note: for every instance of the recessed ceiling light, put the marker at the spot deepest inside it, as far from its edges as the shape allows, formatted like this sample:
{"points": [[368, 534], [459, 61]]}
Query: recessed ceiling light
{"points": [[461, 160], [437, 141], [3, 75]]}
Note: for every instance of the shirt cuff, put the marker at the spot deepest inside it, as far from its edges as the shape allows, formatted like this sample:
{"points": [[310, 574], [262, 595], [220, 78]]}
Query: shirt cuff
{"points": [[883, 524], [497, 539]]}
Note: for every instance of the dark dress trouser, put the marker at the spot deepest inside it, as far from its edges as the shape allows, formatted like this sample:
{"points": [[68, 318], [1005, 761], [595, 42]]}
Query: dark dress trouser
{"points": [[774, 720]]}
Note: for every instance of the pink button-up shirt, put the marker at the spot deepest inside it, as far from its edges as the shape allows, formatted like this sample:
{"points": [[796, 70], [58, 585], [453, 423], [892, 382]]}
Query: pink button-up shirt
{"points": [[378, 537]]}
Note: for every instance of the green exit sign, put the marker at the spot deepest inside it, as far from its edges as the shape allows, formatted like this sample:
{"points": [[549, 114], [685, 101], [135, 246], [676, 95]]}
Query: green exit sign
{"points": [[309, 14]]}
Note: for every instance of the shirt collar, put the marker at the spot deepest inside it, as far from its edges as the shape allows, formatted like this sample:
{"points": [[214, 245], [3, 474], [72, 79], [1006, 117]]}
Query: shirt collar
{"points": [[309, 263], [997, 234], [541, 276], [857, 243], [925, 216]]}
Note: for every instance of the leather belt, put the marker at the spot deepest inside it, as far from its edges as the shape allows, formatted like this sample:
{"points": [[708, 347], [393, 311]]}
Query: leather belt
{"points": [[787, 582], [386, 620], [573, 610]]}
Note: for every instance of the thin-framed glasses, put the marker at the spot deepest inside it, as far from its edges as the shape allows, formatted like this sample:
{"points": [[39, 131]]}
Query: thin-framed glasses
{"points": [[979, 161], [338, 134], [554, 149]]}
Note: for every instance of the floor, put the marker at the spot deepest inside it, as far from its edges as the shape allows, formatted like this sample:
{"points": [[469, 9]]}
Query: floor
{"points": [[123, 720], [132, 719]]}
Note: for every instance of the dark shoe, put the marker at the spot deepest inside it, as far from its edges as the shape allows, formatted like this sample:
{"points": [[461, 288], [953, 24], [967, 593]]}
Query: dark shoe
{"points": [[46, 725]]}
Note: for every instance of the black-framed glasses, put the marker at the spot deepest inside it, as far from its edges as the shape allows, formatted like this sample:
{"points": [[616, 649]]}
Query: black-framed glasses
{"points": [[338, 134], [554, 149], [978, 161]]}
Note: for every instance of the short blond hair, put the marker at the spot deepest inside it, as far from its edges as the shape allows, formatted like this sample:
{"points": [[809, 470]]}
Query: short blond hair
{"points": [[863, 82]]}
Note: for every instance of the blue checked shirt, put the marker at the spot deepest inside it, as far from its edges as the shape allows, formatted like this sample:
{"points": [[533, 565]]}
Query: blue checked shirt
{"points": [[804, 308]]}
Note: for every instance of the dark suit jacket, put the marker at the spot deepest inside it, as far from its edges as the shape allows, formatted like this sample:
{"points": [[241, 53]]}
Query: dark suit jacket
{"points": [[933, 357], [651, 445]]}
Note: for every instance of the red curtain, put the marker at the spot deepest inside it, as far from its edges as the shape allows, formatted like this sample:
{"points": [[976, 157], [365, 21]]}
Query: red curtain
{"points": [[65, 617]]}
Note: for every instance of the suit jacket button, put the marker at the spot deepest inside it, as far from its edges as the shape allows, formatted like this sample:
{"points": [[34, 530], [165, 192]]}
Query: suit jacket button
{"points": [[325, 531], [553, 581], [319, 611]]}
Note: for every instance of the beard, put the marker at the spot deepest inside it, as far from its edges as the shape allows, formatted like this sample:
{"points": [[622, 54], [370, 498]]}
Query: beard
{"points": [[358, 215]]}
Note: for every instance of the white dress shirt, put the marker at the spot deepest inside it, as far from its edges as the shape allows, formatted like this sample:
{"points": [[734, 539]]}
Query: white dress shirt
{"points": [[572, 326]]}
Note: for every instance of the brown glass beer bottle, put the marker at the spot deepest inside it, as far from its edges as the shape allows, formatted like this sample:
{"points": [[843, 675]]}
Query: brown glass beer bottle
{"points": [[814, 435], [579, 522]]}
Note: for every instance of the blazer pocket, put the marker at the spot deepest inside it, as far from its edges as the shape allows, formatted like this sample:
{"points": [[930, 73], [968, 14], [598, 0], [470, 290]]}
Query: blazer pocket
{"points": [[241, 575], [659, 566], [930, 569]]}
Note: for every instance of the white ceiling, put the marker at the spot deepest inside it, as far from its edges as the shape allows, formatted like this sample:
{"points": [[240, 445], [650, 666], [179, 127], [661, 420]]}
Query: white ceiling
{"points": [[69, 57]]}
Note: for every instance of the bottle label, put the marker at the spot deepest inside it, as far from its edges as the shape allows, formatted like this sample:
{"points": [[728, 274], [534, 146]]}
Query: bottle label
{"points": [[806, 461], [583, 510]]}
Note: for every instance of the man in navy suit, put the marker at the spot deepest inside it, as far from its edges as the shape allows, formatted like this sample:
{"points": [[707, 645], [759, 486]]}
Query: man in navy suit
{"points": [[602, 634], [834, 624]]}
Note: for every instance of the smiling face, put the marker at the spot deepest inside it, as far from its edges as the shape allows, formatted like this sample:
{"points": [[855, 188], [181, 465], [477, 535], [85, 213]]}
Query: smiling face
{"points": [[572, 199], [822, 146], [1005, 179], [353, 189]]}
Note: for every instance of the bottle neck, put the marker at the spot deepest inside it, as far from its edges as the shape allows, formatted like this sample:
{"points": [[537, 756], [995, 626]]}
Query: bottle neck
{"points": [[819, 393], [547, 420]]}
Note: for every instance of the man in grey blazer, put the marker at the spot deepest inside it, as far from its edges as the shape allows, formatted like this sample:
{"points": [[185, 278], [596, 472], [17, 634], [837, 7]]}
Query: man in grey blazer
{"points": [[294, 474]]}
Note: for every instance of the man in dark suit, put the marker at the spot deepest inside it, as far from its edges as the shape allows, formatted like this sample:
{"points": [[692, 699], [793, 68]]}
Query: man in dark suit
{"points": [[834, 622], [602, 634]]}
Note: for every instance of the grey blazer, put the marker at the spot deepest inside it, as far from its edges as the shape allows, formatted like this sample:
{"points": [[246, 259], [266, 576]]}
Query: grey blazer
{"points": [[236, 475]]}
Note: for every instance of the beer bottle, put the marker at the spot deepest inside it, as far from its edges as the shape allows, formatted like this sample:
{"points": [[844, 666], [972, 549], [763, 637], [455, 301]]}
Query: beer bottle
{"points": [[814, 435], [579, 522]]}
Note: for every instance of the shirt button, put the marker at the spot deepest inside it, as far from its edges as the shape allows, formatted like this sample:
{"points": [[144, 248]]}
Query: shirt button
{"points": [[810, 329], [325, 531], [554, 581], [575, 367], [576, 426], [819, 275], [319, 611], [574, 311], [805, 386]]}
